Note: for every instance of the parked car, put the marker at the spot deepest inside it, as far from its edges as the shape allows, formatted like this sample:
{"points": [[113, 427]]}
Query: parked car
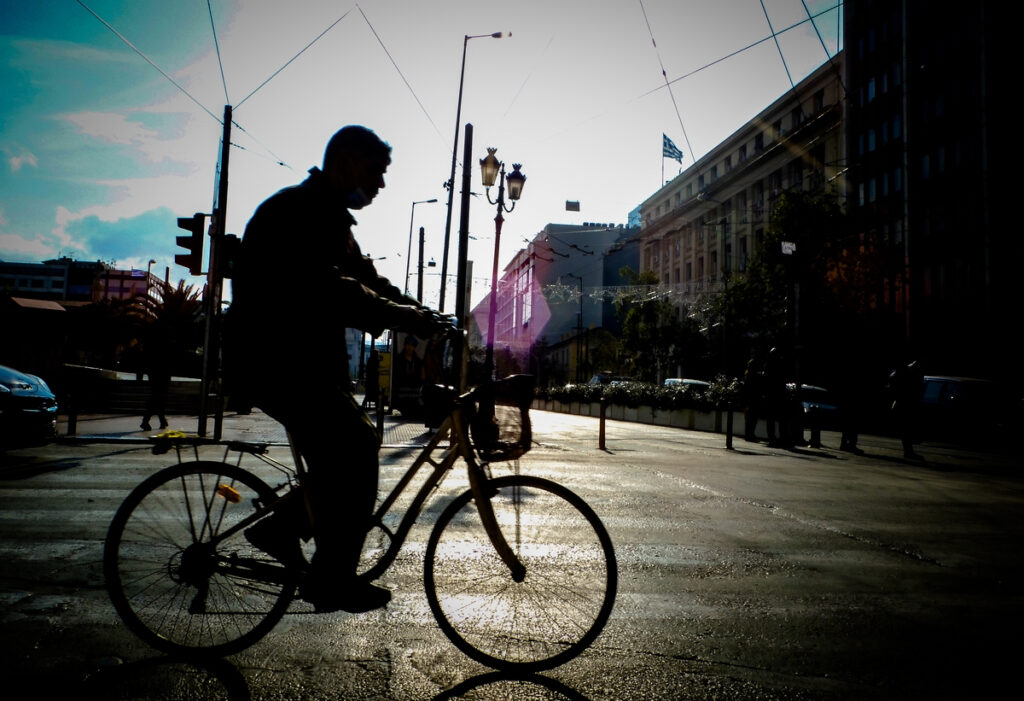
{"points": [[967, 408], [698, 387], [607, 378], [28, 410], [818, 406]]}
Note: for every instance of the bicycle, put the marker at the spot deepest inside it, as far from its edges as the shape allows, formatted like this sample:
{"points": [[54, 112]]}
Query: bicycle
{"points": [[519, 571]]}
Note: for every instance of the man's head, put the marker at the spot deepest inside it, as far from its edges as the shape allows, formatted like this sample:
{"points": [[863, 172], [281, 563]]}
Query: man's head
{"points": [[355, 161]]}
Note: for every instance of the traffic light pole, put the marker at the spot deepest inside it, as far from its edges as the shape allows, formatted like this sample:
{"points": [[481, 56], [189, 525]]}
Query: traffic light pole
{"points": [[211, 386]]}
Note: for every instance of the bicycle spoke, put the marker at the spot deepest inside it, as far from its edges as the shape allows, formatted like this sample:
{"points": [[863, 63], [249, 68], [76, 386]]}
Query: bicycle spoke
{"points": [[550, 615], [173, 586]]}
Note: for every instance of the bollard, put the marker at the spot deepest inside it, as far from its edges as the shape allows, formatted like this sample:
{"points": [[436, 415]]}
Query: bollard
{"points": [[380, 417], [728, 430], [600, 434]]}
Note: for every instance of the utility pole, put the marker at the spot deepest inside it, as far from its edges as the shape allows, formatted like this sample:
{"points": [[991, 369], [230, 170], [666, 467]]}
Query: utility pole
{"points": [[211, 387], [419, 283]]}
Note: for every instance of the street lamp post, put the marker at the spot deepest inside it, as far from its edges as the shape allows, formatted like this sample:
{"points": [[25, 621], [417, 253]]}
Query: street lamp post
{"points": [[579, 332], [491, 168], [408, 250], [455, 149]]}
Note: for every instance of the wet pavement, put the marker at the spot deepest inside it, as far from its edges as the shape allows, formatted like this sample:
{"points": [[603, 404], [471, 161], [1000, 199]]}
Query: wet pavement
{"points": [[752, 573]]}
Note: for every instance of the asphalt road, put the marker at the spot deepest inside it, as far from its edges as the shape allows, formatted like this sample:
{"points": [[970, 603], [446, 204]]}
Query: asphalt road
{"points": [[752, 573]]}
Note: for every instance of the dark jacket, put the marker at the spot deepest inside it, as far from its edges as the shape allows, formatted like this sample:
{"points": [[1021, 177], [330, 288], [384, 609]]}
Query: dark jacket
{"points": [[299, 282]]}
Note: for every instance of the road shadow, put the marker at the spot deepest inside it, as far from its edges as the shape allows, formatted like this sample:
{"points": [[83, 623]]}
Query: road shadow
{"points": [[151, 678], [512, 685], [16, 467]]}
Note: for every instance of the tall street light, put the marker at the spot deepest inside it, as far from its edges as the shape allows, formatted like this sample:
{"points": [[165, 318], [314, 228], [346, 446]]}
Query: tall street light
{"points": [[579, 332], [408, 250], [455, 149], [491, 168]]}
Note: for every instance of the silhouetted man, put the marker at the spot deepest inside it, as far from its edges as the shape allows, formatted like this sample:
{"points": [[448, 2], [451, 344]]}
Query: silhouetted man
{"points": [[300, 281]]}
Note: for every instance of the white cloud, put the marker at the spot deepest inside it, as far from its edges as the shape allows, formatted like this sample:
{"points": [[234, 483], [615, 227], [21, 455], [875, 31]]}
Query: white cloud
{"points": [[147, 145], [20, 157], [13, 246]]}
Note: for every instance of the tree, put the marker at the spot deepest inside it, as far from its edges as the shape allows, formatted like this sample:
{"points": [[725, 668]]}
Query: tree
{"points": [[655, 339], [170, 320], [812, 286]]}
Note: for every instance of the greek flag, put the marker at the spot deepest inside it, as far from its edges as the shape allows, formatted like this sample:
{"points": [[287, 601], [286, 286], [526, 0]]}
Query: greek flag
{"points": [[670, 150]]}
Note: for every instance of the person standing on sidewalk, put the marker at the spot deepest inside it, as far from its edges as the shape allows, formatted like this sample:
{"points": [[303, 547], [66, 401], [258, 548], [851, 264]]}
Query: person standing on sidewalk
{"points": [[907, 385]]}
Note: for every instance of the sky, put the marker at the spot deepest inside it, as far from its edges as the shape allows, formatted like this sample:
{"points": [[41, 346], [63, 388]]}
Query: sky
{"points": [[107, 138]]}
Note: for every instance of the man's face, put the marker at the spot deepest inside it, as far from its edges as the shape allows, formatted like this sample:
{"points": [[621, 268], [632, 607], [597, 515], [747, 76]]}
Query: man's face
{"points": [[361, 179]]}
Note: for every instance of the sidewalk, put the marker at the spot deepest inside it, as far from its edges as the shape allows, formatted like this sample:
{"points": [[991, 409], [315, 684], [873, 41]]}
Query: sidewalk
{"points": [[255, 427]]}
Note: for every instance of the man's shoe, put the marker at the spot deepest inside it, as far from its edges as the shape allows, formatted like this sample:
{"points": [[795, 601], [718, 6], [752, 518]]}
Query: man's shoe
{"points": [[279, 545], [358, 596]]}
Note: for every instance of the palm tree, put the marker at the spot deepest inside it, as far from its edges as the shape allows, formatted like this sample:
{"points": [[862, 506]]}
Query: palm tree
{"points": [[168, 320]]}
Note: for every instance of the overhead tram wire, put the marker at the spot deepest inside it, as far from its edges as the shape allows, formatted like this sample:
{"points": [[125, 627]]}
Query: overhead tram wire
{"points": [[737, 52], [665, 76], [220, 63], [289, 61], [400, 74], [839, 73], [148, 60], [778, 47]]}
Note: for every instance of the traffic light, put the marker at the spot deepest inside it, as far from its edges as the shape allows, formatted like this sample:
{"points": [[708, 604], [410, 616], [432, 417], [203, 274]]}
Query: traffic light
{"points": [[193, 260]]}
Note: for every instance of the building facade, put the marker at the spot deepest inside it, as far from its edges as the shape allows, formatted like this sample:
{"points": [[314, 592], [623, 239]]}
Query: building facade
{"points": [[929, 142], [705, 224], [554, 296], [71, 281]]}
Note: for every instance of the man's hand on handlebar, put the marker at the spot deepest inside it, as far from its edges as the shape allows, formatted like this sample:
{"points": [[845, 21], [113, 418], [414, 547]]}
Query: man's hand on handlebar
{"points": [[424, 323]]}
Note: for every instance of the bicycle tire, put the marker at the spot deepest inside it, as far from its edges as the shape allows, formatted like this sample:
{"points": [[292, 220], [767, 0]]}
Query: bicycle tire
{"points": [[560, 607], [165, 582]]}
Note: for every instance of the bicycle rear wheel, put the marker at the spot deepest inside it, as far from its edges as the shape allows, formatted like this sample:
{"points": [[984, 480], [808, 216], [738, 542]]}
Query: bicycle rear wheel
{"points": [[174, 588], [564, 601]]}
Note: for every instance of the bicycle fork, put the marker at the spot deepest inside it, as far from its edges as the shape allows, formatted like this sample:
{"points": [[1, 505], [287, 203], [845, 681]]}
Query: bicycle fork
{"points": [[483, 493]]}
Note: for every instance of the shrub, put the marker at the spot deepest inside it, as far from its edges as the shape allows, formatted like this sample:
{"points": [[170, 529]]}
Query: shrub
{"points": [[723, 393]]}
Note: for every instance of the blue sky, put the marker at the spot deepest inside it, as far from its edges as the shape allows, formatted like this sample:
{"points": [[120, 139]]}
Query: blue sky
{"points": [[101, 153]]}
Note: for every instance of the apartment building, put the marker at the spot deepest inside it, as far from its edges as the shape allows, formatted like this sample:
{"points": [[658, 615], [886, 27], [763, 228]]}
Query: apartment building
{"points": [[929, 142], [706, 223]]}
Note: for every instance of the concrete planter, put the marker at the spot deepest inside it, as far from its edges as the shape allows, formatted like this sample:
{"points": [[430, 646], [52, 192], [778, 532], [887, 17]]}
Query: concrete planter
{"points": [[712, 420]]}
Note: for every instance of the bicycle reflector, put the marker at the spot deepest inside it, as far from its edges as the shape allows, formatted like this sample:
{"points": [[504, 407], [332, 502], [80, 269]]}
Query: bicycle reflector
{"points": [[229, 493]]}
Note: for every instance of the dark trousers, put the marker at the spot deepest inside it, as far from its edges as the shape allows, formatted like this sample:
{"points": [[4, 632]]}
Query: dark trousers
{"points": [[339, 444]]}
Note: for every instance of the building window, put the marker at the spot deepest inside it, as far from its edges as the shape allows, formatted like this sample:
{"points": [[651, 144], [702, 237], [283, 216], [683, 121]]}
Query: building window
{"points": [[743, 153], [728, 163], [759, 143], [714, 173], [819, 101]]}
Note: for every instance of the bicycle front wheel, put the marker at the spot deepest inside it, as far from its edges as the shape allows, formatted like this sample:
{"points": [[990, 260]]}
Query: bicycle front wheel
{"points": [[563, 602], [172, 586]]}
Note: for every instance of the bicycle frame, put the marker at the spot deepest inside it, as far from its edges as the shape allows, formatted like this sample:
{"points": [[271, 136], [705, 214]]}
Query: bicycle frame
{"points": [[453, 428], [459, 446]]}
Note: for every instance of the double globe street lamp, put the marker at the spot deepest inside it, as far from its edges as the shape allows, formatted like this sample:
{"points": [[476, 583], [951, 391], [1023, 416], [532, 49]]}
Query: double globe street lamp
{"points": [[492, 169]]}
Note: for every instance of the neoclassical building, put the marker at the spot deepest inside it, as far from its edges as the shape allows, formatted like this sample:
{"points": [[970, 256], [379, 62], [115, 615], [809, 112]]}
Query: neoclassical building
{"points": [[707, 221]]}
